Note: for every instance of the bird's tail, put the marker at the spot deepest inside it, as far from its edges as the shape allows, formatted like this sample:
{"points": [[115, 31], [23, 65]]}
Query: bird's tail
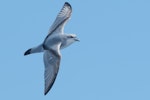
{"points": [[36, 49]]}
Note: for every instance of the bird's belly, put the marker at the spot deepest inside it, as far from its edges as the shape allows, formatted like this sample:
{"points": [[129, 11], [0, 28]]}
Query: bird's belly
{"points": [[51, 41]]}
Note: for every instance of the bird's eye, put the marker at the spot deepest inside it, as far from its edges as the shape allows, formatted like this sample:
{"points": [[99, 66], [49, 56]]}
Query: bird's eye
{"points": [[71, 36]]}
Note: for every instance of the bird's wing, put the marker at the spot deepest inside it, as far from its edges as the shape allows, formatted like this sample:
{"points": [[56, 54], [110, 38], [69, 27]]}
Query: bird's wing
{"points": [[52, 61], [61, 19]]}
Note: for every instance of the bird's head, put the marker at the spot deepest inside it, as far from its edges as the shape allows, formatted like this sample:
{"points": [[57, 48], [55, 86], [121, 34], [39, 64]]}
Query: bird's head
{"points": [[72, 38]]}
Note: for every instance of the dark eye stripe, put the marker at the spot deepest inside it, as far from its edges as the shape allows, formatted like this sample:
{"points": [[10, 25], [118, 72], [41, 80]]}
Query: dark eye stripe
{"points": [[70, 36]]}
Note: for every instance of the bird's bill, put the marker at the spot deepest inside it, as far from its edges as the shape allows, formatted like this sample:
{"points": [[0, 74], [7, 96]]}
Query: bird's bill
{"points": [[76, 39]]}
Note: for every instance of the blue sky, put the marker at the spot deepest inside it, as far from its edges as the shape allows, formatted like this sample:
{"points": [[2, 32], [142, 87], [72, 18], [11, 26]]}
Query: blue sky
{"points": [[112, 61]]}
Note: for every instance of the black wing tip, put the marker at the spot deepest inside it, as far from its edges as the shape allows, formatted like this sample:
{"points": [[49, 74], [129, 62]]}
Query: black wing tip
{"points": [[27, 52], [45, 93], [68, 4], [50, 86]]}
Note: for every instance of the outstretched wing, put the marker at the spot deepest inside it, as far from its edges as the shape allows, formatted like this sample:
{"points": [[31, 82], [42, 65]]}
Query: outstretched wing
{"points": [[52, 62], [61, 19]]}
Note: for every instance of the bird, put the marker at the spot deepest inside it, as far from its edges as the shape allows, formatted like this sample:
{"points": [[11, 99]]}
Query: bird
{"points": [[52, 44]]}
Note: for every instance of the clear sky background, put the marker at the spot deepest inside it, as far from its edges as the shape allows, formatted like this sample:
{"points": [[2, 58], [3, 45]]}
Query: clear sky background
{"points": [[111, 61]]}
